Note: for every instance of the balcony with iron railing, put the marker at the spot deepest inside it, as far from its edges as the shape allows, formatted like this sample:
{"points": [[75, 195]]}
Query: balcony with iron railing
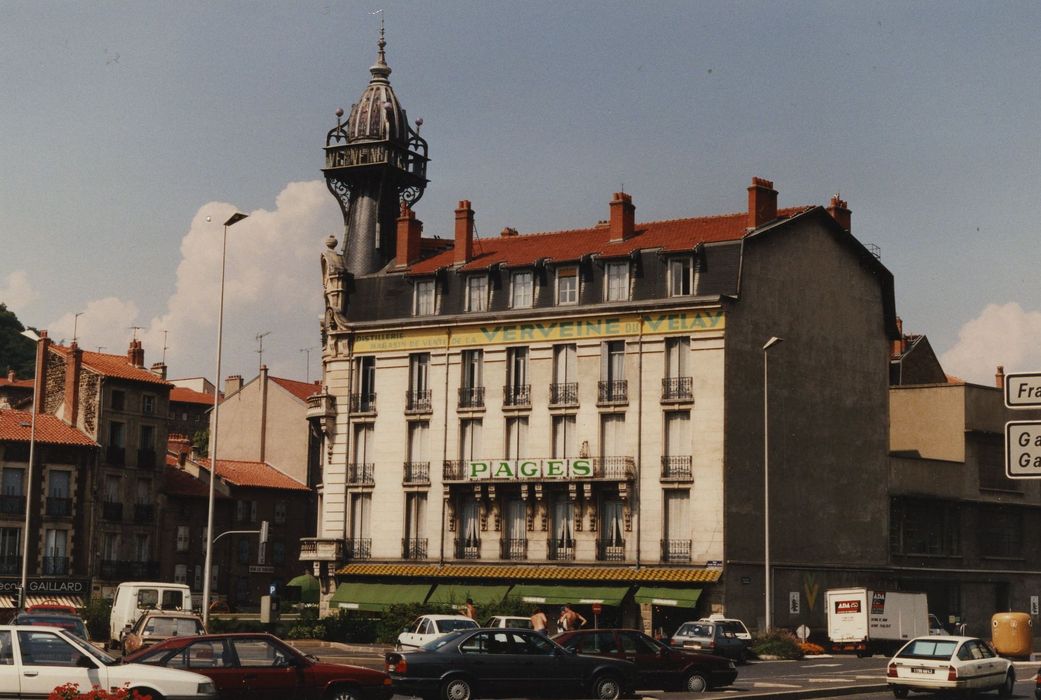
{"points": [[58, 507], [603, 469], [414, 548], [513, 548], [467, 550], [321, 406], [471, 397], [419, 401], [417, 474], [112, 511], [677, 468], [361, 474], [122, 570], [677, 551], [12, 505], [363, 403], [321, 549], [613, 550], [516, 396], [613, 393], [10, 564], [677, 389], [116, 455], [146, 459], [364, 154], [358, 548], [144, 513], [560, 550], [565, 394], [55, 566]]}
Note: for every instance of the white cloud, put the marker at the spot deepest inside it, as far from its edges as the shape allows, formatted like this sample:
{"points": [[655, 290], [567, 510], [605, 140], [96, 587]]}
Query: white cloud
{"points": [[16, 292], [272, 283], [1004, 335]]}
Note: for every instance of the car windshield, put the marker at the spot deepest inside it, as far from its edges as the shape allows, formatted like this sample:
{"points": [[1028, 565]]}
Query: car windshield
{"points": [[65, 622], [436, 644], [99, 655], [928, 649], [172, 626], [452, 625], [694, 629]]}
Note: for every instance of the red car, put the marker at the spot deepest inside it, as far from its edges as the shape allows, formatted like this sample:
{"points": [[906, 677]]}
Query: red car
{"points": [[658, 665], [257, 666]]}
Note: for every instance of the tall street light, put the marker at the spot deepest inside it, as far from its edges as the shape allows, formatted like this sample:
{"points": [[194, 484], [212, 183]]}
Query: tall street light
{"points": [[233, 219], [29, 475], [774, 340]]}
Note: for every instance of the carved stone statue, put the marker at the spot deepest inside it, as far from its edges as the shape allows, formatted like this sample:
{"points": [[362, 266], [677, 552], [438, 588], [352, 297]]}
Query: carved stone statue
{"points": [[334, 284]]}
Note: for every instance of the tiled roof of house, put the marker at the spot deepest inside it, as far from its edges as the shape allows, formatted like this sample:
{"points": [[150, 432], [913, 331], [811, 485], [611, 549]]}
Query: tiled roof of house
{"points": [[301, 390], [116, 366], [535, 573], [17, 383], [16, 426], [179, 394], [256, 474], [562, 246], [178, 482]]}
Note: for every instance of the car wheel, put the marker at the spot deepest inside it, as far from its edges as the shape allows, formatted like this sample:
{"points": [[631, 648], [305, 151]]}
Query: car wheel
{"points": [[695, 683], [457, 689], [607, 688], [343, 692], [141, 692], [900, 692], [1009, 685]]}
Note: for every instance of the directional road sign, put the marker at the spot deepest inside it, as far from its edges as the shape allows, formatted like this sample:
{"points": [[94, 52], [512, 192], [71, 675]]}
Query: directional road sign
{"points": [[1023, 389], [1023, 449]]}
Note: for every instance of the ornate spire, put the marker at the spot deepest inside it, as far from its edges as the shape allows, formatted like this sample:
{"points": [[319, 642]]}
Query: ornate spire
{"points": [[381, 70]]}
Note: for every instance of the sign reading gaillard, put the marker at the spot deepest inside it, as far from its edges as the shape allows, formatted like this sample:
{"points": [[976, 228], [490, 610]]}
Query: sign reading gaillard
{"points": [[477, 470], [620, 326]]}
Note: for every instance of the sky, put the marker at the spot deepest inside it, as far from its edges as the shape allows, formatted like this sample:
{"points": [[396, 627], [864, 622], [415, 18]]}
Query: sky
{"points": [[130, 131]]}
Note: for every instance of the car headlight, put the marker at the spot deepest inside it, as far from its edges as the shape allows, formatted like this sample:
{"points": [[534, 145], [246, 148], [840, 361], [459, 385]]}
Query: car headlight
{"points": [[206, 689]]}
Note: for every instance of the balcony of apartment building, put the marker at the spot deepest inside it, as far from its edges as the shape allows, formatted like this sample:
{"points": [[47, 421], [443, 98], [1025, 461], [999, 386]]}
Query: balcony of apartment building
{"points": [[513, 549], [416, 474], [361, 474], [58, 507], [677, 468], [414, 548], [471, 398], [563, 395], [516, 396], [677, 389], [610, 550], [363, 403], [358, 548], [144, 513], [467, 548], [676, 551], [10, 565], [127, 570], [613, 393], [112, 511], [321, 549], [558, 549], [116, 455], [321, 405], [420, 401], [55, 565], [147, 459], [11, 504]]}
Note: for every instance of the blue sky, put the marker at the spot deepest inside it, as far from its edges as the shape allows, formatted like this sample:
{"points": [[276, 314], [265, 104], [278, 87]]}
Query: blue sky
{"points": [[126, 124]]}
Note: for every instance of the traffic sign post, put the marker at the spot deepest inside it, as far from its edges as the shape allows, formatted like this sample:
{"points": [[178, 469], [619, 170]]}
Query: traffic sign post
{"points": [[1023, 437], [1023, 390]]}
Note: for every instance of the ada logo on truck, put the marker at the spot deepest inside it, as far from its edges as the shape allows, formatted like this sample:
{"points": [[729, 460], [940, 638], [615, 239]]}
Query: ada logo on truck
{"points": [[844, 607], [878, 603]]}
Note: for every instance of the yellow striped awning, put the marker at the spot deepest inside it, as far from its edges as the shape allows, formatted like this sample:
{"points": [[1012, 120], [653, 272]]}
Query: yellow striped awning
{"points": [[648, 574]]}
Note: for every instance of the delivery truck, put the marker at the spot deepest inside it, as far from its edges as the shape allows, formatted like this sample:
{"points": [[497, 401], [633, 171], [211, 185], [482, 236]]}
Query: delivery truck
{"points": [[867, 621]]}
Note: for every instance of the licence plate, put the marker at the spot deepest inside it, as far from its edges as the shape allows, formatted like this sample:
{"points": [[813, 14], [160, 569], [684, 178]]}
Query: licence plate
{"points": [[922, 670]]}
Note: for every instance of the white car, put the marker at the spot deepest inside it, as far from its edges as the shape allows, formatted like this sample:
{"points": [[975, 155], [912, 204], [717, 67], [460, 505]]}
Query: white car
{"points": [[36, 660], [935, 663], [508, 621], [730, 624], [427, 628]]}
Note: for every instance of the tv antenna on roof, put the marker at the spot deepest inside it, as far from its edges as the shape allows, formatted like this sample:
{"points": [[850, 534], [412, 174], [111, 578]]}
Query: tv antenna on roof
{"points": [[260, 350], [307, 371], [135, 329], [164, 345], [75, 325]]}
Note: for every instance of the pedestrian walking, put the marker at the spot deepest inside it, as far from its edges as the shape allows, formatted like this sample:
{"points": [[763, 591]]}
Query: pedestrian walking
{"points": [[470, 610], [539, 622], [570, 619]]}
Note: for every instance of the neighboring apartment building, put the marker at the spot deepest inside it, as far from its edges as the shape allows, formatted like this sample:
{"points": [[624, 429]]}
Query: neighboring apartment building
{"points": [[189, 413], [123, 407], [577, 417], [59, 504]]}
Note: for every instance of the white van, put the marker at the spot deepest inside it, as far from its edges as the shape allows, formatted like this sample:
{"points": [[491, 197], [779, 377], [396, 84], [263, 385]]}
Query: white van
{"points": [[134, 597]]}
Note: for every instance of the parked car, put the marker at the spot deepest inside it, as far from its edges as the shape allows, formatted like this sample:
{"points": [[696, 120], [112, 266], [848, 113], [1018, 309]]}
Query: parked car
{"points": [[426, 628], [159, 625], [133, 598], [945, 663], [508, 621], [512, 663], [711, 637], [61, 620], [731, 624], [52, 606], [658, 666], [39, 659], [258, 665]]}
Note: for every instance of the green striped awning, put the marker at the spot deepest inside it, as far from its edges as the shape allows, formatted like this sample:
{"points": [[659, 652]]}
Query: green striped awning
{"points": [[676, 597], [456, 594], [376, 597], [575, 595]]}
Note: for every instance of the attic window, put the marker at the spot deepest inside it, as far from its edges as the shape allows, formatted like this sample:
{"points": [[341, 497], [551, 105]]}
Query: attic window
{"points": [[477, 293], [681, 277], [424, 301], [617, 281], [567, 285], [522, 289]]}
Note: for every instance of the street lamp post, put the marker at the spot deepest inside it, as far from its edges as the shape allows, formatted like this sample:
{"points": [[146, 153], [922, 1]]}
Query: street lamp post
{"points": [[29, 474], [774, 340], [208, 567]]}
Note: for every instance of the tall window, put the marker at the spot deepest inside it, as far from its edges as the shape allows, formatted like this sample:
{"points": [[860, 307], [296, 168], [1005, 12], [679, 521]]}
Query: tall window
{"points": [[612, 361], [142, 547], [516, 437], [55, 559], [280, 512], [13, 480], [681, 277], [110, 546], [470, 525], [473, 368], [147, 437], [143, 492], [58, 483], [613, 523], [361, 514], [477, 293], [677, 433], [10, 549], [567, 285], [563, 529], [180, 573], [470, 439], [417, 441], [119, 399], [148, 404], [424, 305], [183, 538], [677, 522], [117, 434], [522, 289], [564, 389], [112, 488], [617, 274], [515, 535], [364, 445], [612, 435], [517, 390], [677, 352], [415, 516], [366, 368], [418, 382], [564, 436]]}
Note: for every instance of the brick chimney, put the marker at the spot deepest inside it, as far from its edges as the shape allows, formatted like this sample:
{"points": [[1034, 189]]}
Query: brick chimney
{"points": [[762, 202], [839, 212], [136, 354], [464, 232], [159, 370], [999, 377], [623, 217], [181, 446], [410, 231], [508, 232], [73, 365], [232, 384], [898, 343]]}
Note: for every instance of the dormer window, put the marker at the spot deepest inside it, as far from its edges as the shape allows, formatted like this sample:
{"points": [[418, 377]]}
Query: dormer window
{"points": [[424, 302], [477, 293], [616, 275], [522, 289], [681, 277], [567, 285]]}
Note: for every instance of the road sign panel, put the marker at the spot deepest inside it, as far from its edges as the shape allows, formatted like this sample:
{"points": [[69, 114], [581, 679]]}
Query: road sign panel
{"points": [[1023, 449], [1023, 390]]}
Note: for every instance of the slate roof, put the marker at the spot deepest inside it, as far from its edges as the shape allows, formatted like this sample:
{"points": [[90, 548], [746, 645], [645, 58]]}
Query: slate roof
{"points": [[116, 366], [255, 474], [535, 573], [16, 426], [301, 390], [673, 235]]}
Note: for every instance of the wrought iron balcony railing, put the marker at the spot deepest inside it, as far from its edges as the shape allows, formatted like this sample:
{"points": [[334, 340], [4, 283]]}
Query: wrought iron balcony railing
{"points": [[12, 504], [358, 548], [516, 395], [10, 564], [55, 566], [613, 550], [565, 394], [418, 401], [417, 473], [677, 468], [59, 507], [471, 550], [361, 474], [415, 548], [471, 397], [557, 550], [677, 389], [675, 550], [613, 393], [363, 403], [513, 548]]}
